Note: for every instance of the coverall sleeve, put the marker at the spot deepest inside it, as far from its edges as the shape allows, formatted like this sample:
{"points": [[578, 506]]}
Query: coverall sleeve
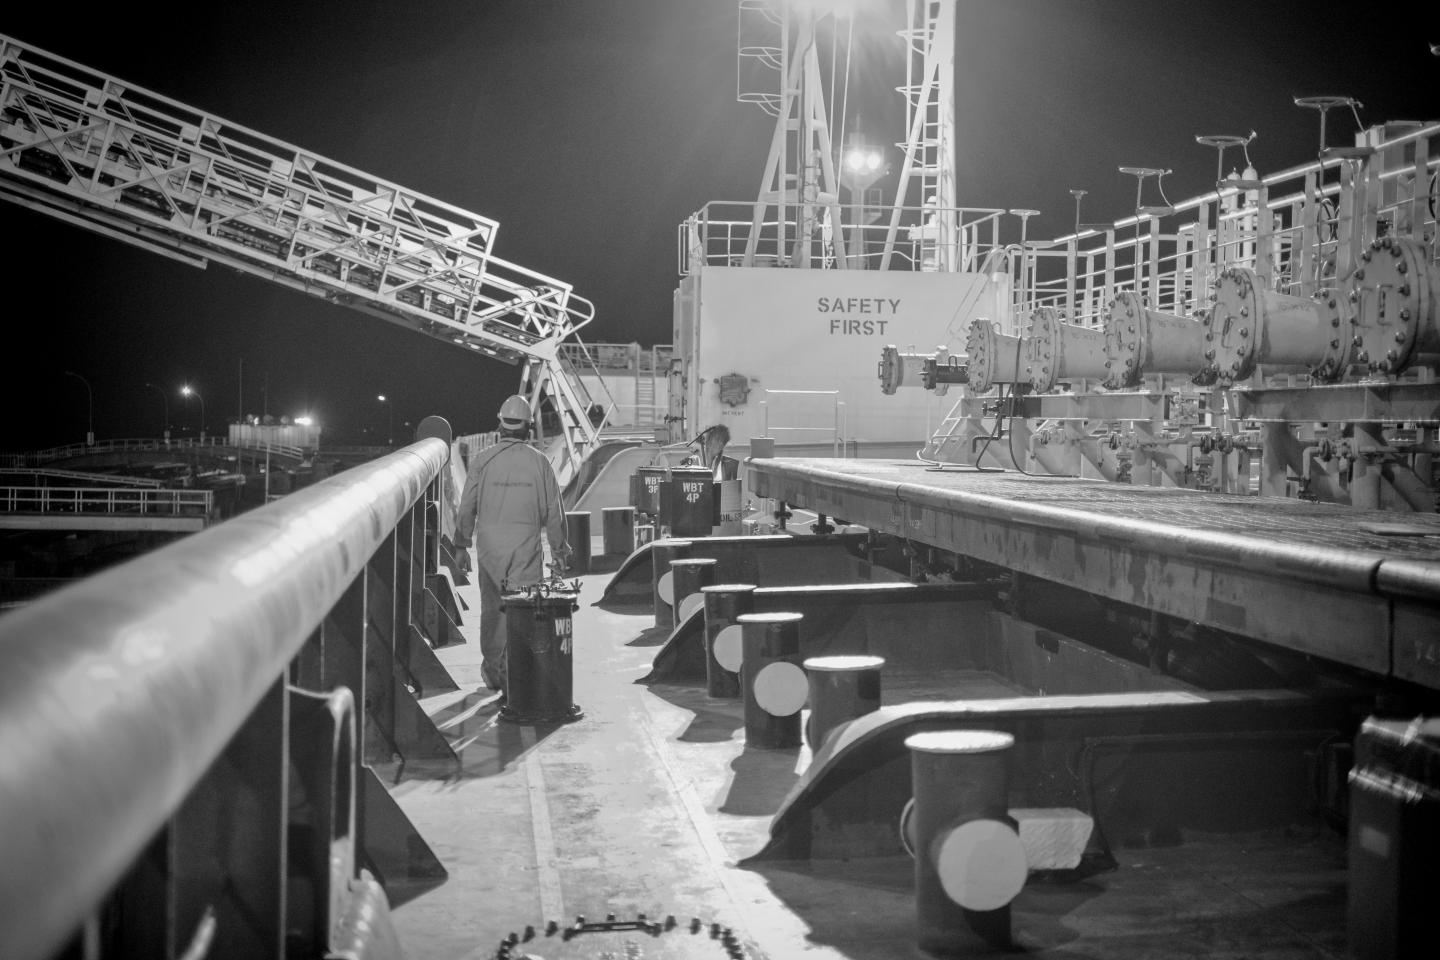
{"points": [[469, 505], [552, 508]]}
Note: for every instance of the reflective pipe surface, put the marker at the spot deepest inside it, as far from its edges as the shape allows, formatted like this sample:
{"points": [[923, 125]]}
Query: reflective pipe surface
{"points": [[120, 691]]}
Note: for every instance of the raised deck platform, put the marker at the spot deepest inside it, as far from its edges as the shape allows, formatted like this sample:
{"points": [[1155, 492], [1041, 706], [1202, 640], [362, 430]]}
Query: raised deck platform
{"points": [[652, 803], [1356, 587]]}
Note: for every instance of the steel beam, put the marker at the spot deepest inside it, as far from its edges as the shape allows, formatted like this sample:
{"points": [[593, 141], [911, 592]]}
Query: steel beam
{"points": [[1412, 402], [1291, 573]]}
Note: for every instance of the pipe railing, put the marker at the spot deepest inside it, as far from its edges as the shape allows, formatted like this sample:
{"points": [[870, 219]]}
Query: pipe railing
{"points": [[120, 501], [122, 691]]}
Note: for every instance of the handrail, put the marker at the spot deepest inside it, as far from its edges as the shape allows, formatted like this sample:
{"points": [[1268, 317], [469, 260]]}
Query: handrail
{"points": [[15, 498], [120, 691], [35, 457], [1281, 176], [111, 479]]}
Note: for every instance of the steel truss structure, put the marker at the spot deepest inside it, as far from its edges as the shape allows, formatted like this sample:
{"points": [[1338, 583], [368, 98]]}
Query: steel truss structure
{"points": [[119, 160]]}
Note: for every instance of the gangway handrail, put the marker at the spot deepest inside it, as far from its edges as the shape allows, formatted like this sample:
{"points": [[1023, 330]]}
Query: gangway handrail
{"points": [[836, 429], [125, 445], [98, 479], [40, 499], [120, 691]]}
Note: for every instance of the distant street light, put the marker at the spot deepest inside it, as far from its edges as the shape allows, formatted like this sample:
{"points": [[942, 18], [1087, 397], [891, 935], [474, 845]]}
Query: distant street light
{"points": [[189, 391], [390, 419], [90, 398], [164, 406]]}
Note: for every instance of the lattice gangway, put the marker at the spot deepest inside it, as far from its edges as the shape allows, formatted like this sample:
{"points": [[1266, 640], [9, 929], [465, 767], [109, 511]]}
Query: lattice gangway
{"points": [[134, 165]]}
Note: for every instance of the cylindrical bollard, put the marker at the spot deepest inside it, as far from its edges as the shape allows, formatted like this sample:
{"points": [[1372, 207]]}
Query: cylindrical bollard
{"points": [[661, 553], [724, 652], [688, 576], [772, 682], [841, 689], [539, 673], [762, 448], [969, 863], [577, 531], [618, 526]]}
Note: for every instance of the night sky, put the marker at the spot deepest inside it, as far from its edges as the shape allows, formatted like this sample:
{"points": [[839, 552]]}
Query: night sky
{"points": [[590, 129]]}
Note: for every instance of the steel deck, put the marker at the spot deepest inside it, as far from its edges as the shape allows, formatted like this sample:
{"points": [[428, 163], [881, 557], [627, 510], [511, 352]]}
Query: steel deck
{"points": [[652, 803], [1357, 587]]}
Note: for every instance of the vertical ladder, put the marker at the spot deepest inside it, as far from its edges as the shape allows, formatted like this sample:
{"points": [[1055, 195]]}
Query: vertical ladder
{"points": [[929, 93]]}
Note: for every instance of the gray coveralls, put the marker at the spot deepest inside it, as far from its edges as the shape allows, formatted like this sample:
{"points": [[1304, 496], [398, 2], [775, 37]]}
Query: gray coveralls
{"points": [[510, 495]]}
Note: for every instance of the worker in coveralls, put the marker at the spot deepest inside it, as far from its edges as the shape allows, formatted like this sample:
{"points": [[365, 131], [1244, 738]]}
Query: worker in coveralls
{"points": [[510, 496]]}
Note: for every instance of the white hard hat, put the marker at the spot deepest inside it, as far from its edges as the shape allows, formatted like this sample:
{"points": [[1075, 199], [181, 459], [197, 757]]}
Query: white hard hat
{"points": [[515, 412]]}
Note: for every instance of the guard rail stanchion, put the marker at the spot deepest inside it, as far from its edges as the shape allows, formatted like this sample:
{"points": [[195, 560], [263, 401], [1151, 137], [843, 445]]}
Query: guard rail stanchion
{"points": [[577, 531], [771, 679], [724, 604], [618, 527], [841, 689], [661, 553], [689, 576], [969, 862]]}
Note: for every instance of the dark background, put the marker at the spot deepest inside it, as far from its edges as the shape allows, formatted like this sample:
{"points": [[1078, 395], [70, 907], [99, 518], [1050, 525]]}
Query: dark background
{"points": [[590, 129]]}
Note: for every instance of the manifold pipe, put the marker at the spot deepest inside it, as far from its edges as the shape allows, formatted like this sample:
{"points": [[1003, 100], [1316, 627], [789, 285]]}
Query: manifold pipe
{"points": [[1409, 485], [1395, 298], [994, 356], [1142, 341], [1058, 352], [1251, 324], [120, 691], [899, 368]]}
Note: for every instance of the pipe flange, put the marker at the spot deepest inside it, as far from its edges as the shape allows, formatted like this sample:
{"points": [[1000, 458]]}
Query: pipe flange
{"points": [[1339, 342], [1126, 333], [1044, 350], [891, 371], [980, 348], [1391, 293], [1231, 326], [1209, 373]]}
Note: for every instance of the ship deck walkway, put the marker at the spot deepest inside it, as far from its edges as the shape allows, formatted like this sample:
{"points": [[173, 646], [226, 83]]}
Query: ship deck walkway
{"points": [[652, 802]]}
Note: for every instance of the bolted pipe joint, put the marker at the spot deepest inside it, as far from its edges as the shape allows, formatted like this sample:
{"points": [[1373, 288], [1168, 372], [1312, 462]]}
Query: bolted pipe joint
{"points": [[899, 368], [1140, 341], [1396, 319], [1251, 325], [994, 356], [969, 861], [1057, 352]]}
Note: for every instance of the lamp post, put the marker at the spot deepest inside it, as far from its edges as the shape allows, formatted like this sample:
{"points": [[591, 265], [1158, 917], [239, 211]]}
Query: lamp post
{"points": [[189, 391], [165, 409], [863, 164], [389, 419], [90, 402]]}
